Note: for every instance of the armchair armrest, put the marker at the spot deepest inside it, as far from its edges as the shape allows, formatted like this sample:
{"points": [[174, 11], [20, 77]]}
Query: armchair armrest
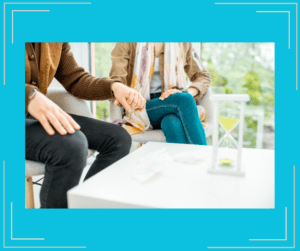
{"points": [[70, 103], [115, 111], [208, 106]]}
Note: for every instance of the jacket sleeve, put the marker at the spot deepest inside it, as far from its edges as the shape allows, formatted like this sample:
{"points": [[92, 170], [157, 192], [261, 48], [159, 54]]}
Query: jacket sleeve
{"points": [[196, 72], [79, 82], [120, 56], [28, 90]]}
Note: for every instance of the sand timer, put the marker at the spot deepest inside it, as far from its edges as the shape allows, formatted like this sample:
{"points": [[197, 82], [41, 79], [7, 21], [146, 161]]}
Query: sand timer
{"points": [[229, 110]]}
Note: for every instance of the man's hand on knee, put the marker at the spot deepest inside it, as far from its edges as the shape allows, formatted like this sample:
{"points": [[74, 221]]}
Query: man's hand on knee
{"points": [[51, 115]]}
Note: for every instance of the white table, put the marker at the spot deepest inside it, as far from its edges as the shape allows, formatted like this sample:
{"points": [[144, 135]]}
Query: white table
{"points": [[181, 185]]}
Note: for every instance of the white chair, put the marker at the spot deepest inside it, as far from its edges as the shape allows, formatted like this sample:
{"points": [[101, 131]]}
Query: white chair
{"points": [[69, 104], [158, 135]]}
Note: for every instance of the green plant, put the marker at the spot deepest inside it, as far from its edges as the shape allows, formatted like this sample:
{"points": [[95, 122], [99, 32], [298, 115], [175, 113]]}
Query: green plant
{"points": [[102, 110], [252, 83], [218, 80]]}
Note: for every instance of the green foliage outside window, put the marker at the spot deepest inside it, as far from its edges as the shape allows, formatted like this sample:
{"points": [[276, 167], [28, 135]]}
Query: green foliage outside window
{"points": [[102, 69], [252, 84], [245, 68], [102, 110]]}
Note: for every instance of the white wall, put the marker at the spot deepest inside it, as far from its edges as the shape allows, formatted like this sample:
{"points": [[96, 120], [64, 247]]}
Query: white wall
{"points": [[197, 48]]}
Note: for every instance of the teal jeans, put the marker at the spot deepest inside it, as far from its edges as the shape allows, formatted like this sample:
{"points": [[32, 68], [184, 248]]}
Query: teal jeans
{"points": [[178, 117]]}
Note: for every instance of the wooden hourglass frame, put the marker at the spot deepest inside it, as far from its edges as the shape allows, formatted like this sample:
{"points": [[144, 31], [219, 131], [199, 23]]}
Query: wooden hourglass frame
{"points": [[236, 168]]}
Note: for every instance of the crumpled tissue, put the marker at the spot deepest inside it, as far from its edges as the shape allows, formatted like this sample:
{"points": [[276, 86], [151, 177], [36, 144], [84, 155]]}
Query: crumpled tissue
{"points": [[189, 157], [154, 163]]}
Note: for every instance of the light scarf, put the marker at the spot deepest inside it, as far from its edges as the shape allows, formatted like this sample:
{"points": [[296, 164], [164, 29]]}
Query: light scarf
{"points": [[144, 67], [174, 76]]}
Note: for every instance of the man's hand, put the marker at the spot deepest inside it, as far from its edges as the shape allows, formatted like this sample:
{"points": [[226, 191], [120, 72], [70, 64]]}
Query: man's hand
{"points": [[129, 98], [48, 113]]}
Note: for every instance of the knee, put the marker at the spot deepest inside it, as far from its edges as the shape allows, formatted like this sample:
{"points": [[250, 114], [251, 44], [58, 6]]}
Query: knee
{"points": [[71, 148], [185, 99], [170, 122], [123, 139], [117, 140], [186, 102]]}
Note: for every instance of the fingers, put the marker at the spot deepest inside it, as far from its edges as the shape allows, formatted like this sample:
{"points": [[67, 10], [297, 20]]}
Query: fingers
{"points": [[142, 104], [135, 102], [143, 107], [52, 116], [168, 93], [65, 123], [130, 97], [56, 124], [71, 121], [125, 104], [45, 123], [164, 95]]}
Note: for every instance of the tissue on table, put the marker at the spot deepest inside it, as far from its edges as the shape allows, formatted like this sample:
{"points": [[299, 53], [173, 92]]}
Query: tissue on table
{"points": [[189, 156], [153, 163]]}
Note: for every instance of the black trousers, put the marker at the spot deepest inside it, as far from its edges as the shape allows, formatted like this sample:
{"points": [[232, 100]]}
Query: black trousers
{"points": [[65, 156]]}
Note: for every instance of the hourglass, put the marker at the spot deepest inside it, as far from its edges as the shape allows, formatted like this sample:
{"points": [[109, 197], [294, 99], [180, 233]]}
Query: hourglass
{"points": [[229, 110]]}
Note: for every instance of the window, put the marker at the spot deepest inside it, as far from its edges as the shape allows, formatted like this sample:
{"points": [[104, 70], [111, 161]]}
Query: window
{"points": [[246, 68], [102, 64]]}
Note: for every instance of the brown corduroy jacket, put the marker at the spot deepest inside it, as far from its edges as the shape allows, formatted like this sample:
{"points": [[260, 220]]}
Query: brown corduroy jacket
{"points": [[55, 60], [123, 56]]}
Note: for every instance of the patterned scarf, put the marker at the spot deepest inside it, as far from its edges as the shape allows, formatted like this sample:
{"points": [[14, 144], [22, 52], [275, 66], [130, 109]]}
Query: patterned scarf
{"points": [[174, 76], [144, 67]]}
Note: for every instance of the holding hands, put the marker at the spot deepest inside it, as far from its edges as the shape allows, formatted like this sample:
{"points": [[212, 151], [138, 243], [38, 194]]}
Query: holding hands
{"points": [[129, 98]]}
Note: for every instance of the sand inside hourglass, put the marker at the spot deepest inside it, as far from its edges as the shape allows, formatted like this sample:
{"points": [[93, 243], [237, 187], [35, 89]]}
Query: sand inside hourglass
{"points": [[228, 124]]}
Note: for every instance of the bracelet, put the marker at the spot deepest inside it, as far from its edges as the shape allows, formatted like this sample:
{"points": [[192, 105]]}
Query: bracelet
{"points": [[32, 94]]}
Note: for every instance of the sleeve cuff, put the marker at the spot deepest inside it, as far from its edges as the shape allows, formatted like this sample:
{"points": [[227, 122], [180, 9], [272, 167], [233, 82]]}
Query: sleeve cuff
{"points": [[201, 89]]}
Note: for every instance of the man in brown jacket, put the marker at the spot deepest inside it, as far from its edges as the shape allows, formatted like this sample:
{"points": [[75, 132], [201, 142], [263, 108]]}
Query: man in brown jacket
{"points": [[61, 140]]}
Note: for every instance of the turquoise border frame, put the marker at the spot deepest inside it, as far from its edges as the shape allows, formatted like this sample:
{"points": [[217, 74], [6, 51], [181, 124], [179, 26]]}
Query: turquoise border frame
{"points": [[136, 21]]}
